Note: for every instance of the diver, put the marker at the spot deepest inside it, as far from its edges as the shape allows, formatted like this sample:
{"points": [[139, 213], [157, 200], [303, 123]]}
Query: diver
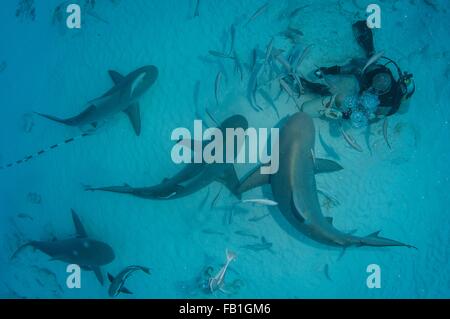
{"points": [[371, 92]]}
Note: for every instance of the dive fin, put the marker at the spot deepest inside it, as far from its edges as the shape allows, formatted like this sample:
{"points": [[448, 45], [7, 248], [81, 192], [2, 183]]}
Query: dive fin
{"points": [[110, 278], [253, 180], [326, 166], [134, 114], [125, 291], [79, 228], [98, 274], [116, 77]]}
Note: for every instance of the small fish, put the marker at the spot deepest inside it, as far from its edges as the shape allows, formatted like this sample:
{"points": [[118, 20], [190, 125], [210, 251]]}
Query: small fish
{"points": [[258, 218], [326, 271], [217, 86], [118, 282], [269, 51], [196, 93], [24, 216], [332, 199], [295, 12], [263, 245], [302, 57], [233, 38], [213, 203], [252, 87], [266, 96], [328, 149], [97, 17], [212, 232], [367, 135], [284, 63], [260, 201], [218, 54], [289, 91], [217, 282], [245, 233], [372, 60], [258, 12], [197, 9], [211, 117], [385, 132], [2, 66], [238, 66], [350, 140], [202, 205]]}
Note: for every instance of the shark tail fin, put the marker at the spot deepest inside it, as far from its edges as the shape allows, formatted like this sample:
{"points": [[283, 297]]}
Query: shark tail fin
{"points": [[53, 118], [43, 151], [376, 240], [230, 255]]}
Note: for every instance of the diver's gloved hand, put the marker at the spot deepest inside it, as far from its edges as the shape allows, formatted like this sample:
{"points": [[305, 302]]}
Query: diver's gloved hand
{"points": [[332, 114]]}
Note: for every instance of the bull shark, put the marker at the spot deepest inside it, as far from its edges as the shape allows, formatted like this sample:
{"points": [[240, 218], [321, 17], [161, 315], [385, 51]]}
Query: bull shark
{"points": [[192, 178], [122, 97], [81, 250], [294, 188]]}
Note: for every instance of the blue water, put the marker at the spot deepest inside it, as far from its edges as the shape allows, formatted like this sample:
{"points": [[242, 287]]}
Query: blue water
{"points": [[48, 68]]}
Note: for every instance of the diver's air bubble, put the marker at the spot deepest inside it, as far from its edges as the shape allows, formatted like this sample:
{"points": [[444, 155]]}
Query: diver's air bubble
{"points": [[369, 102], [350, 103], [359, 119]]}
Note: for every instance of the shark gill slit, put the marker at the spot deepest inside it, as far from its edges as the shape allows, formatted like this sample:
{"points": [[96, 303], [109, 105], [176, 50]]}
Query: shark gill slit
{"points": [[43, 151]]}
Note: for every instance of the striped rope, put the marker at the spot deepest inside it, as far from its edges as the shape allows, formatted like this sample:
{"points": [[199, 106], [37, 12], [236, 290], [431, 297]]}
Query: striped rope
{"points": [[43, 151]]}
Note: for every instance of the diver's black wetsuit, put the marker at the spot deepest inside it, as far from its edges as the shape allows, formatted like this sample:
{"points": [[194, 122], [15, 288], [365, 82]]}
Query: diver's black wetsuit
{"points": [[391, 100]]}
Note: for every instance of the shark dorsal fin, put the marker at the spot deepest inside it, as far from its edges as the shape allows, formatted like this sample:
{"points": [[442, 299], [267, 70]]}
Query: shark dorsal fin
{"points": [[375, 234], [110, 278], [79, 228], [326, 166], [134, 114], [116, 76]]}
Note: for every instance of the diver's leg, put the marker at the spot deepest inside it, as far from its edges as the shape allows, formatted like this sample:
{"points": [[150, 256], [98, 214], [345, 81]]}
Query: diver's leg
{"points": [[364, 37]]}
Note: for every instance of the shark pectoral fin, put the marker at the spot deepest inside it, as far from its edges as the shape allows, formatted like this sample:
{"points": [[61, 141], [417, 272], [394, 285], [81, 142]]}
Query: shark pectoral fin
{"points": [[230, 180], [110, 277], [79, 228], [125, 291], [98, 274], [326, 166], [115, 76], [253, 180], [134, 114]]}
